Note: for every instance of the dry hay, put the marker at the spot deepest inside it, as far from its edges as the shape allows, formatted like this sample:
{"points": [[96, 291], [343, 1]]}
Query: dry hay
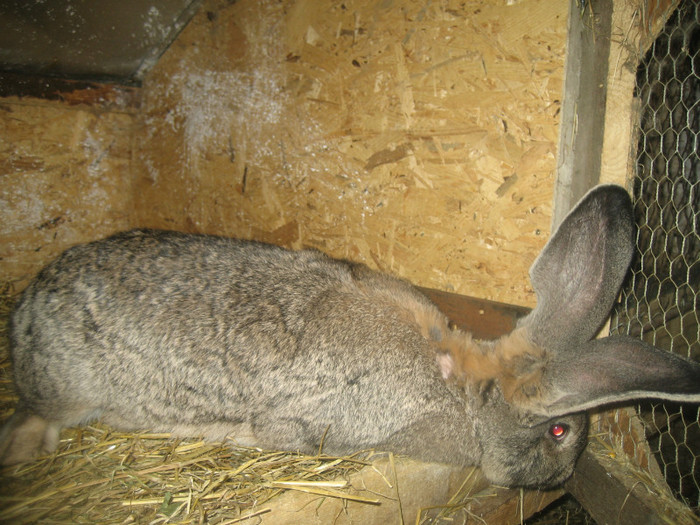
{"points": [[98, 475], [102, 476]]}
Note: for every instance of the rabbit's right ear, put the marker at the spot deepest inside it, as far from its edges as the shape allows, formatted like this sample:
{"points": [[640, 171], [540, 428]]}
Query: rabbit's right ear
{"points": [[578, 274], [577, 278], [612, 370]]}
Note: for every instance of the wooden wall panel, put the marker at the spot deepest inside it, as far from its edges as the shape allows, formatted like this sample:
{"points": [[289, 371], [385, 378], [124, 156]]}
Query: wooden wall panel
{"points": [[64, 178], [418, 138]]}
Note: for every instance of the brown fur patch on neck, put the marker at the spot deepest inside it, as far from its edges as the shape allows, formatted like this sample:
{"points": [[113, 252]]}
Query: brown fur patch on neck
{"points": [[522, 365], [469, 363], [512, 361]]}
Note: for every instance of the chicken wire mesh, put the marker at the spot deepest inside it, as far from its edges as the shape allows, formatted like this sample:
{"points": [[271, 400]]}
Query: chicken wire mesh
{"points": [[661, 299]]}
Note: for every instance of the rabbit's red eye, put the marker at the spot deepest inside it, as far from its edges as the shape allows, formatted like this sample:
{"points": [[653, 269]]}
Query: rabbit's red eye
{"points": [[558, 431]]}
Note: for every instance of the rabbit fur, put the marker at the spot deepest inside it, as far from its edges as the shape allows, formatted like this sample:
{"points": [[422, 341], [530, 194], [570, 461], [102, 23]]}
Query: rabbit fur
{"points": [[208, 336]]}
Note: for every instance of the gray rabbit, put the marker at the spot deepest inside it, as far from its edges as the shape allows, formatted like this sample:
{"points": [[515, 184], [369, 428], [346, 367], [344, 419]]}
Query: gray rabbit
{"points": [[203, 335]]}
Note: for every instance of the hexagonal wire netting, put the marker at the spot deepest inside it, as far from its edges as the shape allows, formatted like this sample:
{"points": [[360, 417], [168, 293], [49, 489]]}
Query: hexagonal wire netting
{"points": [[661, 299]]}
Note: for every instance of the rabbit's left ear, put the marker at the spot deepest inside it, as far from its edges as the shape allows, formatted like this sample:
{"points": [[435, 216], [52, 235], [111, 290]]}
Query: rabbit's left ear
{"points": [[577, 278], [611, 370], [578, 274]]}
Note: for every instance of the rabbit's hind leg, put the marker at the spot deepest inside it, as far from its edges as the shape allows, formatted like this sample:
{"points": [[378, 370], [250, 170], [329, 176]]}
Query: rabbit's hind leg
{"points": [[26, 436]]}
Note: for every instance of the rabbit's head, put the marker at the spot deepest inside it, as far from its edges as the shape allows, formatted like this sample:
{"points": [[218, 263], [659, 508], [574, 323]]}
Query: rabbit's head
{"points": [[525, 451], [531, 423]]}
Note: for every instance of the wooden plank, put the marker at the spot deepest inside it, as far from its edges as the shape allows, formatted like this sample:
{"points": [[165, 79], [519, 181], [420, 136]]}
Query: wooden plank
{"points": [[495, 505], [72, 92], [602, 491], [402, 488], [484, 319], [408, 491], [614, 492], [583, 108]]}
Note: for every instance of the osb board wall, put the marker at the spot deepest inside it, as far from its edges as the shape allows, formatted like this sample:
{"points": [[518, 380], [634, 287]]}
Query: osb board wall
{"points": [[64, 179], [418, 137]]}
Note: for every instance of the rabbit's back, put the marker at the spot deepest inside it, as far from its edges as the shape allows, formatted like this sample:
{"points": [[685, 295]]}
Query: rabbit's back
{"points": [[203, 334]]}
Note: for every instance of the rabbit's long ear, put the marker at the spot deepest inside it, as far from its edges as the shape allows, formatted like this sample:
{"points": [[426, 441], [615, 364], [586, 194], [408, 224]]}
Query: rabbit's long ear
{"points": [[577, 277], [614, 369], [580, 270]]}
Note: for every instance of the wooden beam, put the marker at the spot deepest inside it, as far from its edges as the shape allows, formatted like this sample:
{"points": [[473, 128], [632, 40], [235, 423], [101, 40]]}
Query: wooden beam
{"points": [[614, 492], [71, 92], [484, 319], [583, 106]]}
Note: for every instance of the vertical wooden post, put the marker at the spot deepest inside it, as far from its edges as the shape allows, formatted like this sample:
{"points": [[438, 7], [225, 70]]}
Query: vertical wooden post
{"points": [[583, 107]]}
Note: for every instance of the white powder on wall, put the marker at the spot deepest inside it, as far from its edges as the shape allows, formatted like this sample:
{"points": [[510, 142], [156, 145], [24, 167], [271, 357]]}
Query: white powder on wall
{"points": [[213, 104]]}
